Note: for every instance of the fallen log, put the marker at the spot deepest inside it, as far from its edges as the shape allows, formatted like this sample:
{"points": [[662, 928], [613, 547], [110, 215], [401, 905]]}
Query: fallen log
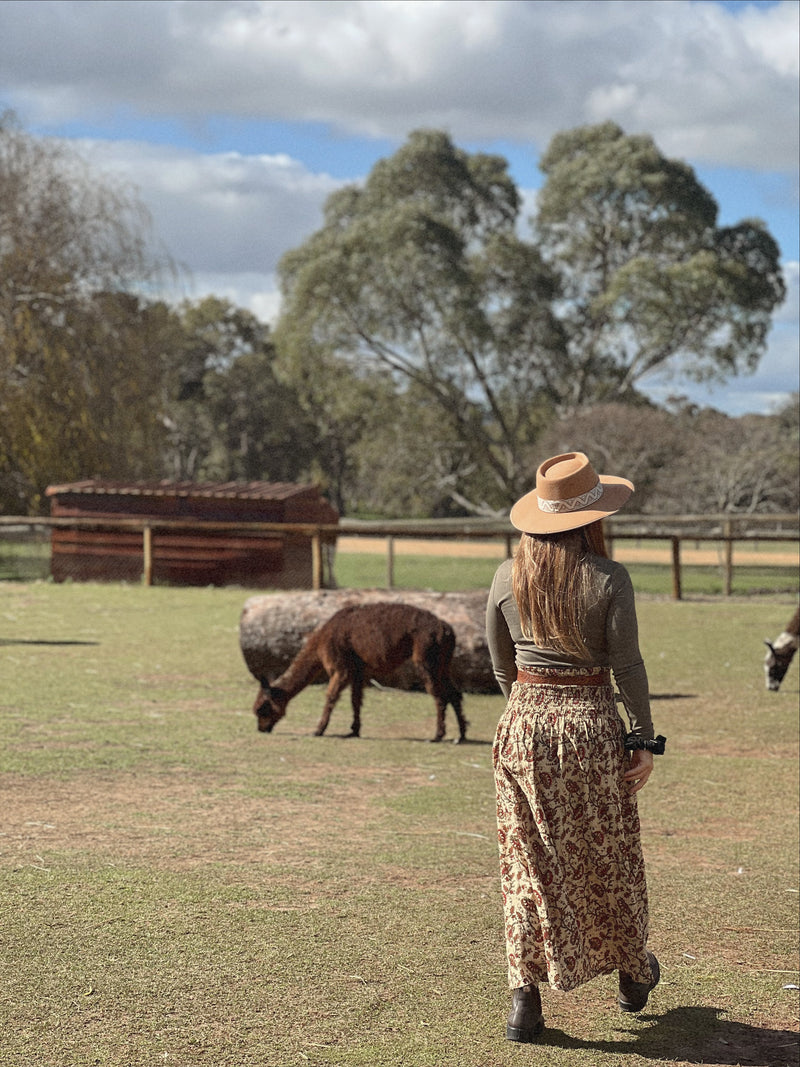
{"points": [[272, 629]]}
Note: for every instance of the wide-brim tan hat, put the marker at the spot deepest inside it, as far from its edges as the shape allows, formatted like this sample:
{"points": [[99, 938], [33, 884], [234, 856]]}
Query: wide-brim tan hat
{"points": [[568, 495]]}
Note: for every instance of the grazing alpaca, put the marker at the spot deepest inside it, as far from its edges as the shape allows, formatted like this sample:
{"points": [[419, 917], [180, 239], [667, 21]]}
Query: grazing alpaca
{"points": [[363, 642], [780, 652]]}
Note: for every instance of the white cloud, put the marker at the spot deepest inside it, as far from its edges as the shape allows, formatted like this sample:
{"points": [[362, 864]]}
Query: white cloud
{"points": [[256, 292], [709, 84], [772, 34], [224, 213], [788, 313]]}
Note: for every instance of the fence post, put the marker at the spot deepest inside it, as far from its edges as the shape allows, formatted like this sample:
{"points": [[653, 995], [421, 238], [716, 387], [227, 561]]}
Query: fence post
{"points": [[316, 561], [147, 555], [676, 568], [727, 579], [390, 562]]}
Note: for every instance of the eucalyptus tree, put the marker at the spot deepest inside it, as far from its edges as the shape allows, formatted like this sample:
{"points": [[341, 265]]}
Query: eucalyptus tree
{"points": [[421, 274], [650, 284]]}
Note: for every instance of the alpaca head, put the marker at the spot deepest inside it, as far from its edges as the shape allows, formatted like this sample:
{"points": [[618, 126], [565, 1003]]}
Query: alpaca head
{"points": [[776, 664], [270, 705]]}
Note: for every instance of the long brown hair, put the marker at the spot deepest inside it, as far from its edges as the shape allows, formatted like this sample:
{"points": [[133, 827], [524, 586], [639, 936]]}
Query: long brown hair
{"points": [[553, 583]]}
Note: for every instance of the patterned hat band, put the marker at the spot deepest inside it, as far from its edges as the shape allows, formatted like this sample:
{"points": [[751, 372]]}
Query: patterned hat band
{"points": [[573, 503]]}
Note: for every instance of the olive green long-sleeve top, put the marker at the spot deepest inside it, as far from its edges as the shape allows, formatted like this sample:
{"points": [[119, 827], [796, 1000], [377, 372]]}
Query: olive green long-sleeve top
{"points": [[610, 632]]}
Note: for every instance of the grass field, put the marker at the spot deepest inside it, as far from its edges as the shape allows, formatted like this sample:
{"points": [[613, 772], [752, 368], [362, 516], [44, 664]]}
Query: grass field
{"points": [[178, 889], [452, 573]]}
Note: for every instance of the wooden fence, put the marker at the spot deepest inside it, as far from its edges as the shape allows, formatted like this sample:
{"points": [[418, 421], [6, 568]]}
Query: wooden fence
{"points": [[676, 529], [719, 529]]}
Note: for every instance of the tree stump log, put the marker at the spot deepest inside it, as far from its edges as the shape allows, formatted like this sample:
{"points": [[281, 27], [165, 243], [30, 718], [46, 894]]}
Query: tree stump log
{"points": [[273, 627]]}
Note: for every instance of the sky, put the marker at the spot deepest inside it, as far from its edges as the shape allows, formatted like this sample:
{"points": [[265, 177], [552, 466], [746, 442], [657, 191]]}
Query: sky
{"points": [[235, 119]]}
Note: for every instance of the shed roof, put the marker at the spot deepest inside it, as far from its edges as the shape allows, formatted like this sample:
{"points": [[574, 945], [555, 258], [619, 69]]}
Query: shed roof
{"points": [[219, 490]]}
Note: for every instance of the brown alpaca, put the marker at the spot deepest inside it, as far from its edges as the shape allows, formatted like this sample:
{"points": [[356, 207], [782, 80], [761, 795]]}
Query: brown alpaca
{"points": [[781, 651], [363, 642]]}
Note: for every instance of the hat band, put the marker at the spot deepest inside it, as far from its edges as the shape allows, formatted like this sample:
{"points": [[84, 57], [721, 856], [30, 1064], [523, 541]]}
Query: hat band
{"points": [[572, 503]]}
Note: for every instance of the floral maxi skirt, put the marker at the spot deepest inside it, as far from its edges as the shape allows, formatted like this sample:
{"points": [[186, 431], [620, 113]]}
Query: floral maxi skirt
{"points": [[571, 866]]}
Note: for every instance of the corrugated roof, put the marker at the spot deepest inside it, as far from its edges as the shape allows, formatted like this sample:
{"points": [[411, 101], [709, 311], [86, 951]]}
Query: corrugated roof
{"points": [[226, 490]]}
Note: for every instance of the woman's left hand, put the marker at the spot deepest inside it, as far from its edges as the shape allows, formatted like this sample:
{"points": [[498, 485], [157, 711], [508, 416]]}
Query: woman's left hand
{"points": [[638, 772]]}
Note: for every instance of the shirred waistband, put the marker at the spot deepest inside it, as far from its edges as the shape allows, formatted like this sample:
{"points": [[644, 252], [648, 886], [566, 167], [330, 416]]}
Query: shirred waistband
{"points": [[600, 676]]}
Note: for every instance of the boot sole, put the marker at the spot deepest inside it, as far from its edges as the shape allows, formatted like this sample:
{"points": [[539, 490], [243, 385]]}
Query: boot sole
{"points": [[527, 1035]]}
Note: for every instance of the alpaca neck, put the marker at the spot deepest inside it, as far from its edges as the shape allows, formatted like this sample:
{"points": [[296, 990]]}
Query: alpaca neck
{"points": [[304, 669], [786, 642]]}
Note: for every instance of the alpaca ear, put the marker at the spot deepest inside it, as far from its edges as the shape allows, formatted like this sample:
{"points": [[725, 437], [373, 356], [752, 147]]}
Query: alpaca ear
{"points": [[769, 646]]}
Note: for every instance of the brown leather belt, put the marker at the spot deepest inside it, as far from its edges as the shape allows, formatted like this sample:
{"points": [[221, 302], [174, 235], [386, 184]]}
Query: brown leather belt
{"points": [[599, 677]]}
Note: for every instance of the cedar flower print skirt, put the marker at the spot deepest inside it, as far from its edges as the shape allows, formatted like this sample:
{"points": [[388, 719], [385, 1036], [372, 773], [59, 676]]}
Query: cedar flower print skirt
{"points": [[571, 867]]}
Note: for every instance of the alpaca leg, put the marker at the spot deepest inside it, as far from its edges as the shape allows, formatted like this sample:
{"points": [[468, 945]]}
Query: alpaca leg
{"points": [[356, 698], [337, 683], [428, 669], [454, 697], [434, 689], [446, 693], [441, 708], [433, 686]]}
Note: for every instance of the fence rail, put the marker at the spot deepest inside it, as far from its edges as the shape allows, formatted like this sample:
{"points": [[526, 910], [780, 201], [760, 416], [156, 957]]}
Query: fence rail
{"points": [[676, 529]]}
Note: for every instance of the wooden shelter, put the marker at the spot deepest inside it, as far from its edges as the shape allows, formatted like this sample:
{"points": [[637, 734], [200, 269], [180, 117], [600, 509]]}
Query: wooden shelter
{"points": [[101, 538]]}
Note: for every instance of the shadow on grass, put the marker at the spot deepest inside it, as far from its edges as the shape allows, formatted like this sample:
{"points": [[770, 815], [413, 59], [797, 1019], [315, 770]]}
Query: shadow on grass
{"points": [[31, 641], [673, 696], [696, 1035]]}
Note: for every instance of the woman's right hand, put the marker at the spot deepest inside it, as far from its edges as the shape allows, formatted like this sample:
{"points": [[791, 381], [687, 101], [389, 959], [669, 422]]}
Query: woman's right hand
{"points": [[641, 766]]}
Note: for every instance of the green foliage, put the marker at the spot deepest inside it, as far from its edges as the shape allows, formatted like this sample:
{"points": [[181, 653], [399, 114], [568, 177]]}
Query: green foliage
{"points": [[421, 275], [228, 415], [405, 461], [650, 283], [98, 382], [426, 351], [609, 196], [79, 357]]}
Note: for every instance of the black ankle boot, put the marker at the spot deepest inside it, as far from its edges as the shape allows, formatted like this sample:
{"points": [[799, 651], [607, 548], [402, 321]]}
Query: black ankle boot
{"points": [[525, 1020], [633, 995]]}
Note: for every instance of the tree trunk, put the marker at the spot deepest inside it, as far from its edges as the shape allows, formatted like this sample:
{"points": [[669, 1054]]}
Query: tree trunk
{"points": [[272, 629]]}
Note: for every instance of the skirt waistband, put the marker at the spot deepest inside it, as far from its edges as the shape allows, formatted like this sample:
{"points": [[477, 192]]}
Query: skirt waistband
{"points": [[601, 676]]}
